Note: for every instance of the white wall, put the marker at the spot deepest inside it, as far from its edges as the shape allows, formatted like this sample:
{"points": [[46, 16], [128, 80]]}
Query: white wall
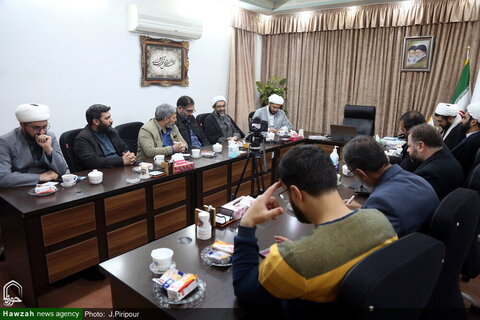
{"points": [[70, 54]]}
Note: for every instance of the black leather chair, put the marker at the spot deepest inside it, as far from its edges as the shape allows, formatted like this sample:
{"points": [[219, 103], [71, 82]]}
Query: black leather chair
{"points": [[129, 133], [201, 117], [394, 282], [67, 142], [362, 117], [477, 158], [473, 180], [455, 223], [250, 115]]}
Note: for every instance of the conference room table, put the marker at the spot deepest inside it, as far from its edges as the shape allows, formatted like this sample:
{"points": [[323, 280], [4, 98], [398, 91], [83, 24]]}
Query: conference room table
{"points": [[131, 278], [50, 238]]}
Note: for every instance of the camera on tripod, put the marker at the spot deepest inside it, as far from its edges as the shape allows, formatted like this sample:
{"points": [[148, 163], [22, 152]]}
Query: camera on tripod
{"points": [[256, 127]]}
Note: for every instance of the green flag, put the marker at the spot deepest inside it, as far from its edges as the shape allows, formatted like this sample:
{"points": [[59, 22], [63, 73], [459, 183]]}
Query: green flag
{"points": [[462, 94]]}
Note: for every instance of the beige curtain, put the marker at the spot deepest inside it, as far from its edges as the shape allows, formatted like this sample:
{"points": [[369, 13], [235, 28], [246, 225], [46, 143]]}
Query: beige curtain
{"points": [[328, 69], [241, 89]]}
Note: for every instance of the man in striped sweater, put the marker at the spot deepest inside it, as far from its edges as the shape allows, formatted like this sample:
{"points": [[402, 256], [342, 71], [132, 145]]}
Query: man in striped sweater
{"points": [[310, 269]]}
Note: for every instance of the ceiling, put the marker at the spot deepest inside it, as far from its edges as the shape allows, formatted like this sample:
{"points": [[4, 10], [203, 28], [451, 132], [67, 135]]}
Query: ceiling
{"points": [[270, 7]]}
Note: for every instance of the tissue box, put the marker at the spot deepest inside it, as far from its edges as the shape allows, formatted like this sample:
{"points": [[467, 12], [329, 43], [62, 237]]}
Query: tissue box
{"points": [[180, 288], [182, 165], [237, 207]]}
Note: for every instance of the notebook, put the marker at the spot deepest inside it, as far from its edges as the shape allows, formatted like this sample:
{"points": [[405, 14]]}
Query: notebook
{"points": [[342, 133]]}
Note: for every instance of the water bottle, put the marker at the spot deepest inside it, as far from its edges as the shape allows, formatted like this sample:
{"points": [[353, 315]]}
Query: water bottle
{"points": [[232, 149], [334, 157]]}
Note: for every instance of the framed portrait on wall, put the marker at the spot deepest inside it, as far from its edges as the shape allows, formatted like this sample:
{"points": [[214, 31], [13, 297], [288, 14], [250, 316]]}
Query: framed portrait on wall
{"points": [[417, 53], [164, 62]]}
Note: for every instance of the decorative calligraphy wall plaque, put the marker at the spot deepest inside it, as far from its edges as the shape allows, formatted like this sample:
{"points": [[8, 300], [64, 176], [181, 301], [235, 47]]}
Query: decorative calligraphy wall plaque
{"points": [[164, 62]]}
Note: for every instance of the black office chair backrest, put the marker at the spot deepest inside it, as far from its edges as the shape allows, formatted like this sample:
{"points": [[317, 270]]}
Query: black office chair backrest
{"points": [[455, 223], [362, 117], [129, 133], [400, 275], [201, 117], [477, 158], [473, 181], [250, 115], [67, 142]]}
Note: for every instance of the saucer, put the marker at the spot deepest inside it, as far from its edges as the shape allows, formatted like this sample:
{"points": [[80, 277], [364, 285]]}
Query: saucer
{"points": [[154, 269], [63, 184]]}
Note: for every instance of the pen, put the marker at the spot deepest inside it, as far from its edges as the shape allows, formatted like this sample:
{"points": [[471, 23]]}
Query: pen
{"points": [[351, 199]]}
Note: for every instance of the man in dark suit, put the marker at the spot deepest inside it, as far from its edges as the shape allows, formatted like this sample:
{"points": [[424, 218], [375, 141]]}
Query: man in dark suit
{"points": [[466, 149], [407, 121], [438, 167], [188, 126], [448, 119], [219, 126]]}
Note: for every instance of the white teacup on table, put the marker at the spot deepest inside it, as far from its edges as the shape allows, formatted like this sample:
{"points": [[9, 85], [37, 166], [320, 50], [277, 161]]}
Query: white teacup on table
{"points": [[159, 158], [162, 258], [69, 180], [217, 147], [195, 153]]}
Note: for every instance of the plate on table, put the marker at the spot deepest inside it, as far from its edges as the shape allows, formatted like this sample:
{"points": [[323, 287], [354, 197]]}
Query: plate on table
{"points": [[191, 300], [43, 194], [208, 154], [153, 268], [208, 261]]}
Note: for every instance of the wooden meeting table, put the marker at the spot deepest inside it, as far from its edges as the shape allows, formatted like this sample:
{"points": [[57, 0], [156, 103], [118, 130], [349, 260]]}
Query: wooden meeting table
{"points": [[131, 279], [49, 238]]}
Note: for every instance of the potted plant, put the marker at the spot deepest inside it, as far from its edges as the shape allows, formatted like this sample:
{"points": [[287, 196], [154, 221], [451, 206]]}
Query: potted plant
{"points": [[274, 85]]}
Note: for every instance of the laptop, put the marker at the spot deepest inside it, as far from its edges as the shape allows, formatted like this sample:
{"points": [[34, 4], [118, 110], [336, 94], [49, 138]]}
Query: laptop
{"points": [[343, 133]]}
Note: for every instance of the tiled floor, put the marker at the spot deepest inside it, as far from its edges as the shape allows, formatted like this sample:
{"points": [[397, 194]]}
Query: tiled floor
{"points": [[76, 292]]}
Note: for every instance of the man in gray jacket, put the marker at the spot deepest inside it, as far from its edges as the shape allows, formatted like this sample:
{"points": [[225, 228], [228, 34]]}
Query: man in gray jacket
{"points": [[28, 154], [274, 114]]}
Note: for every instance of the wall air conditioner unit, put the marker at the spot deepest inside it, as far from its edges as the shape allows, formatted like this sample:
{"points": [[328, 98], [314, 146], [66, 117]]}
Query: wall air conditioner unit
{"points": [[160, 22]]}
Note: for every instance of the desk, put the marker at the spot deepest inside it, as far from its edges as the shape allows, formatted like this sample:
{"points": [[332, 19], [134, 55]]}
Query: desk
{"points": [[49, 238], [131, 279]]}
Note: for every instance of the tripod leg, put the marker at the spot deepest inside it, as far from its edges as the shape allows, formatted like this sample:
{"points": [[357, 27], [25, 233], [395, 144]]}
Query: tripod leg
{"points": [[234, 195]]}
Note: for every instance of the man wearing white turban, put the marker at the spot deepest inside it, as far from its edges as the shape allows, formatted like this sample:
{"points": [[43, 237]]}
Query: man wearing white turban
{"points": [[274, 114], [218, 126], [466, 150], [448, 119], [28, 154]]}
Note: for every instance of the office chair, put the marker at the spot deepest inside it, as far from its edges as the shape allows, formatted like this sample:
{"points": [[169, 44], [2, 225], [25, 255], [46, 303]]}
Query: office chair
{"points": [[201, 117], [477, 158], [362, 117], [250, 115], [400, 275], [129, 133], [67, 142], [455, 223]]}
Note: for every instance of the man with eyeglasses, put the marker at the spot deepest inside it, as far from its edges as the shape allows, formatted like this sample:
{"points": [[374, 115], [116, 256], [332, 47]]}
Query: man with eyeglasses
{"points": [[29, 154], [273, 113], [191, 131], [99, 145], [306, 272], [407, 200], [218, 126]]}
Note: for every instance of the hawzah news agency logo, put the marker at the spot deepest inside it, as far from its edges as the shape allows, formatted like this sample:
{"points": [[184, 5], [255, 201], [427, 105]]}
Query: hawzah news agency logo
{"points": [[9, 301]]}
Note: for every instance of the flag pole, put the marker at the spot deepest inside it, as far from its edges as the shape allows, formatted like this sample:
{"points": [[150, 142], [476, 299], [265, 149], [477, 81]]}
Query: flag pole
{"points": [[468, 52]]}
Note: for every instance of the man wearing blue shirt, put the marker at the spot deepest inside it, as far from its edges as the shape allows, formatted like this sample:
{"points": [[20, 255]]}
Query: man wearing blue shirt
{"points": [[407, 200]]}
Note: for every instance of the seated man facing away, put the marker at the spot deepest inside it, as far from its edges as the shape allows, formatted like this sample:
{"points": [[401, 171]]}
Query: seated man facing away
{"points": [[406, 199], [311, 268], [407, 121], [448, 118], [218, 126], [466, 150], [160, 135], [188, 126], [99, 145], [274, 114], [438, 167], [29, 154]]}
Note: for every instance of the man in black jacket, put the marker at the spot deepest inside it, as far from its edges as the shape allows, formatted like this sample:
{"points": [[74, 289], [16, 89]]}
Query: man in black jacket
{"points": [[98, 145], [218, 126], [191, 131], [407, 121], [438, 167]]}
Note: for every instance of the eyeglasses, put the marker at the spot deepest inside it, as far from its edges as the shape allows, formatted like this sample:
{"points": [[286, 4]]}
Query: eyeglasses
{"points": [[190, 111], [284, 196], [39, 128]]}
